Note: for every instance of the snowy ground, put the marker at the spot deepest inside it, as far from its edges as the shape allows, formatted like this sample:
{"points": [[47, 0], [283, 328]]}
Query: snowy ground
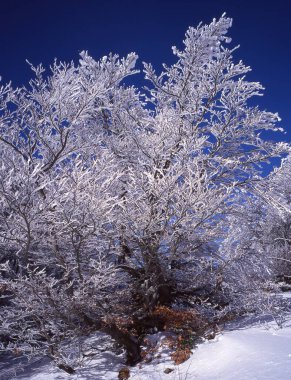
{"points": [[254, 353], [258, 352]]}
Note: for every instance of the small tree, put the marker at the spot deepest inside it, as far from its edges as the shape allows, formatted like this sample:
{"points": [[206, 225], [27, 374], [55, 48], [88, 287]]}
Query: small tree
{"points": [[260, 228], [114, 201], [279, 220]]}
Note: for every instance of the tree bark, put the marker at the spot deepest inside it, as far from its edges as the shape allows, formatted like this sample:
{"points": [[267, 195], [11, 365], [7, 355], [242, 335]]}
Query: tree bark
{"points": [[128, 341]]}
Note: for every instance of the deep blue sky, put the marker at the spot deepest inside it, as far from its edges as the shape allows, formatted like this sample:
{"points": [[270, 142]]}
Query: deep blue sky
{"points": [[40, 30]]}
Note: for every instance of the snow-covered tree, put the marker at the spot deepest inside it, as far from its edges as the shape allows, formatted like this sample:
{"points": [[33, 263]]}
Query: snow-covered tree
{"points": [[279, 219], [259, 232], [114, 201]]}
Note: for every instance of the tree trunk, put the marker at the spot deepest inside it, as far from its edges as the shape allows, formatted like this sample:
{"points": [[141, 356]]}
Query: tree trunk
{"points": [[128, 341], [159, 290]]}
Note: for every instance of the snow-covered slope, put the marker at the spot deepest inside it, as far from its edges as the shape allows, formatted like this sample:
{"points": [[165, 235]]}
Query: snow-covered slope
{"points": [[246, 350], [255, 353]]}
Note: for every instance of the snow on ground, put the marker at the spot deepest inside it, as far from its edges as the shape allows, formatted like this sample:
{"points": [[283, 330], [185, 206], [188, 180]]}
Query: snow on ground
{"points": [[257, 352], [254, 353]]}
